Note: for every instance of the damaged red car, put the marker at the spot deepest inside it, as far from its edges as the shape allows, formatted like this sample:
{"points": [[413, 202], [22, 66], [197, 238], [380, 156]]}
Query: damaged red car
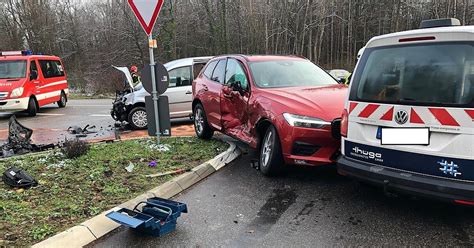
{"points": [[285, 106]]}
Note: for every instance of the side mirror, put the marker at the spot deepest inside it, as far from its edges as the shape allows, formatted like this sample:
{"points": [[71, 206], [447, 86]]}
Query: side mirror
{"points": [[33, 75], [237, 86]]}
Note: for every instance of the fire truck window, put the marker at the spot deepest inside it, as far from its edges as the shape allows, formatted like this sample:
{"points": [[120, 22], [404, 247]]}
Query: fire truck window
{"points": [[33, 66], [51, 68]]}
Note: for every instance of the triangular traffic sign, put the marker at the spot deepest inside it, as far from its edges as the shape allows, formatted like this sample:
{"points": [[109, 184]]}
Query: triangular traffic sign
{"points": [[146, 12]]}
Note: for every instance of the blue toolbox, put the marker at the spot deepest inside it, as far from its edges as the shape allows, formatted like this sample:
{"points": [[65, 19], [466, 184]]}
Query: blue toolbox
{"points": [[157, 216]]}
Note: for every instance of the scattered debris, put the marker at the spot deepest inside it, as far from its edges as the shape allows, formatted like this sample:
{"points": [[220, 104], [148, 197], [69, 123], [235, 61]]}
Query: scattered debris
{"points": [[75, 148], [18, 178], [130, 167], [180, 171], [160, 148], [153, 164], [19, 140], [81, 132], [255, 164]]}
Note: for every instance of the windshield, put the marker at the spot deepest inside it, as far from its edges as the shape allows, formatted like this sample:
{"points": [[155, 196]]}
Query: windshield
{"points": [[12, 69], [433, 74], [289, 73]]}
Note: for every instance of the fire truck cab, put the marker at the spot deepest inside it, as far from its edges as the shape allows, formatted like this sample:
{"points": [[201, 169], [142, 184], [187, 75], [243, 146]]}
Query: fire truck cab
{"points": [[28, 82], [409, 120]]}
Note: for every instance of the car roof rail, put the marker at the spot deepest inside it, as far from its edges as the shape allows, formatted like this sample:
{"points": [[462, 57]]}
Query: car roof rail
{"points": [[436, 23]]}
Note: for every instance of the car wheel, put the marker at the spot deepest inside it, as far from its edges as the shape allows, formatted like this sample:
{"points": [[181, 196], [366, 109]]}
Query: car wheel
{"points": [[62, 101], [32, 107], [201, 126], [137, 118], [271, 158]]}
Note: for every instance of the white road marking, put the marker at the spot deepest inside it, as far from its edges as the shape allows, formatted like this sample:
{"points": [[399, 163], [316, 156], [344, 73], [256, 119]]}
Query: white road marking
{"points": [[70, 105], [46, 114]]}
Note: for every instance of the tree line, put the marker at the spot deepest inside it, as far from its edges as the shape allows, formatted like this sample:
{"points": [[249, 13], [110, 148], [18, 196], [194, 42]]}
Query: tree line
{"points": [[92, 35]]}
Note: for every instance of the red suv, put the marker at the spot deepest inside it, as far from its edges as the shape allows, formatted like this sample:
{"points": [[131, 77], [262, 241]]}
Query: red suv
{"points": [[285, 106]]}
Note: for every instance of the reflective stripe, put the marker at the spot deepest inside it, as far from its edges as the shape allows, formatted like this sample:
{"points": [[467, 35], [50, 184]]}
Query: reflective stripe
{"points": [[389, 115], [415, 118], [369, 110], [53, 84], [443, 116]]}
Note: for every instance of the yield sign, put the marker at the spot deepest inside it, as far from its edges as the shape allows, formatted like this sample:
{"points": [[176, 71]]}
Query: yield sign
{"points": [[146, 12]]}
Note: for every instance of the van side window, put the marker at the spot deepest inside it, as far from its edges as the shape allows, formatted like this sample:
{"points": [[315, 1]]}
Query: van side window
{"points": [[180, 77], [51, 68], [210, 68]]}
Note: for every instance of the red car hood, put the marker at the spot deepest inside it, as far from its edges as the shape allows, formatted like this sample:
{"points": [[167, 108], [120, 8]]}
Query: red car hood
{"points": [[10, 84], [325, 102]]}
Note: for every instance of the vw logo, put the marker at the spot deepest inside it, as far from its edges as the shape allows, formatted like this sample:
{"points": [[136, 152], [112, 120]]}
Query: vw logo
{"points": [[401, 117]]}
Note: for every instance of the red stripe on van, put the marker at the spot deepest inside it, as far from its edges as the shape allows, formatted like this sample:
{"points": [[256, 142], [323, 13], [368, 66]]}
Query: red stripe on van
{"points": [[369, 110], [444, 117], [352, 106], [389, 115], [415, 118], [470, 113]]}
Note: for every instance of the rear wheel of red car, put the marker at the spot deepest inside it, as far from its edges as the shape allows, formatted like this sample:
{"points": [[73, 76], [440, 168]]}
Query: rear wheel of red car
{"points": [[271, 158], [32, 107], [63, 100], [201, 126]]}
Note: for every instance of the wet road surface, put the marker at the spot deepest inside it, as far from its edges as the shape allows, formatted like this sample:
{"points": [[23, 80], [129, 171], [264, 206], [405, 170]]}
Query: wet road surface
{"points": [[238, 207], [51, 123]]}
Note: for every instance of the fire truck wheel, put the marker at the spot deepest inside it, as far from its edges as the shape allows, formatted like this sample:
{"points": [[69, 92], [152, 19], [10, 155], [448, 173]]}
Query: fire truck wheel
{"points": [[137, 118], [62, 101], [32, 107]]}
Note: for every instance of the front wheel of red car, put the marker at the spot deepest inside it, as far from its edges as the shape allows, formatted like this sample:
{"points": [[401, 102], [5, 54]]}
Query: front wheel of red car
{"points": [[201, 126], [271, 158]]}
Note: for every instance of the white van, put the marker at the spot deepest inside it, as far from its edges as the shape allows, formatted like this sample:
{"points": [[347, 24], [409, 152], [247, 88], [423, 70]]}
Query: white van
{"points": [[409, 120]]}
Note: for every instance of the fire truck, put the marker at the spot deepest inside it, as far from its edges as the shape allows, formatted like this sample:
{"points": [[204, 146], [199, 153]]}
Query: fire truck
{"points": [[28, 82]]}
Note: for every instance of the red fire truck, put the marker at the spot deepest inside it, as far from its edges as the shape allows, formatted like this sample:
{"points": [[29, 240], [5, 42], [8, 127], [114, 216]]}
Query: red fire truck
{"points": [[28, 82]]}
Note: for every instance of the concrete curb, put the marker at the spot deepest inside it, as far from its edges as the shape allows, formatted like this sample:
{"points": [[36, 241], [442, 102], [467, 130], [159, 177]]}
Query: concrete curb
{"points": [[98, 226]]}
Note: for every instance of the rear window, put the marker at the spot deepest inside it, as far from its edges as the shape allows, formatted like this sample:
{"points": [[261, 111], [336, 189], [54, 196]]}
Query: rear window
{"points": [[431, 74], [12, 69], [51, 68]]}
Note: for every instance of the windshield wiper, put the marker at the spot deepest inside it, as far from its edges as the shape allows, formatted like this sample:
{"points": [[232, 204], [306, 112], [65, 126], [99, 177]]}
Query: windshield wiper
{"points": [[408, 100]]}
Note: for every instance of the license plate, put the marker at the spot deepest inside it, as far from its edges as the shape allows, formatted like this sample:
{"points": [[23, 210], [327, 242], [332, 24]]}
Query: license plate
{"points": [[404, 136]]}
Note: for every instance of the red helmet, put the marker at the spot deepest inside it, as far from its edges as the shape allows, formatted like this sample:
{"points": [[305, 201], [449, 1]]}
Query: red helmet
{"points": [[134, 69]]}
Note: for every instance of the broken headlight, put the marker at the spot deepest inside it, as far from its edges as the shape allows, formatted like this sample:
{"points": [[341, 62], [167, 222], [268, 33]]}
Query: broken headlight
{"points": [[305, 121]]}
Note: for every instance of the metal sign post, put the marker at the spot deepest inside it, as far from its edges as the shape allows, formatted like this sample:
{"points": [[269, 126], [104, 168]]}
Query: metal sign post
{"points": [[154, 93]]}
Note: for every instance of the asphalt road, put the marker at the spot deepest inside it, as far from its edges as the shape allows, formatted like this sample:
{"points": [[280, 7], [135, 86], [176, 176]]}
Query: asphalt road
{"points": [[77, 112], [238, 207]]}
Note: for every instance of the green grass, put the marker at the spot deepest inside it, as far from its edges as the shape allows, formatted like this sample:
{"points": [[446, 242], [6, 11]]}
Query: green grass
{"points": [[72, 191]]}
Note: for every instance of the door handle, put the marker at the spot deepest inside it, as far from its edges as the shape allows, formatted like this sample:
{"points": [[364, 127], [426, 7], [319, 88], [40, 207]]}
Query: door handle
{"points": [[189, 92]]}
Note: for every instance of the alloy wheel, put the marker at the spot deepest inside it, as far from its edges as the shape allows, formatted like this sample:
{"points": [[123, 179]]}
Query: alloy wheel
{"points": [[266, 149], [139, 119], [199, 121]]}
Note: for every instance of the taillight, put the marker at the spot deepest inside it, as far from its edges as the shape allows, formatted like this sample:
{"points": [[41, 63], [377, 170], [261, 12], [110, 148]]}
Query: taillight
{"points": [[469, 203], [344, 123]]}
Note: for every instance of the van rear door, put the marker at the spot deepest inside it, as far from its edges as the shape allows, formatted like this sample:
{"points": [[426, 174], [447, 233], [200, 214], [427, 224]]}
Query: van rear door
{"points": [[425, 85]]}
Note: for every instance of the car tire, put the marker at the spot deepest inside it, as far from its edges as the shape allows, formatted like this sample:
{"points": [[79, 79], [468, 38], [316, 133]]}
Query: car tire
{"points": [[32, 107], [271, 158], [62, 100], [137, 118], [201, 126]]}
